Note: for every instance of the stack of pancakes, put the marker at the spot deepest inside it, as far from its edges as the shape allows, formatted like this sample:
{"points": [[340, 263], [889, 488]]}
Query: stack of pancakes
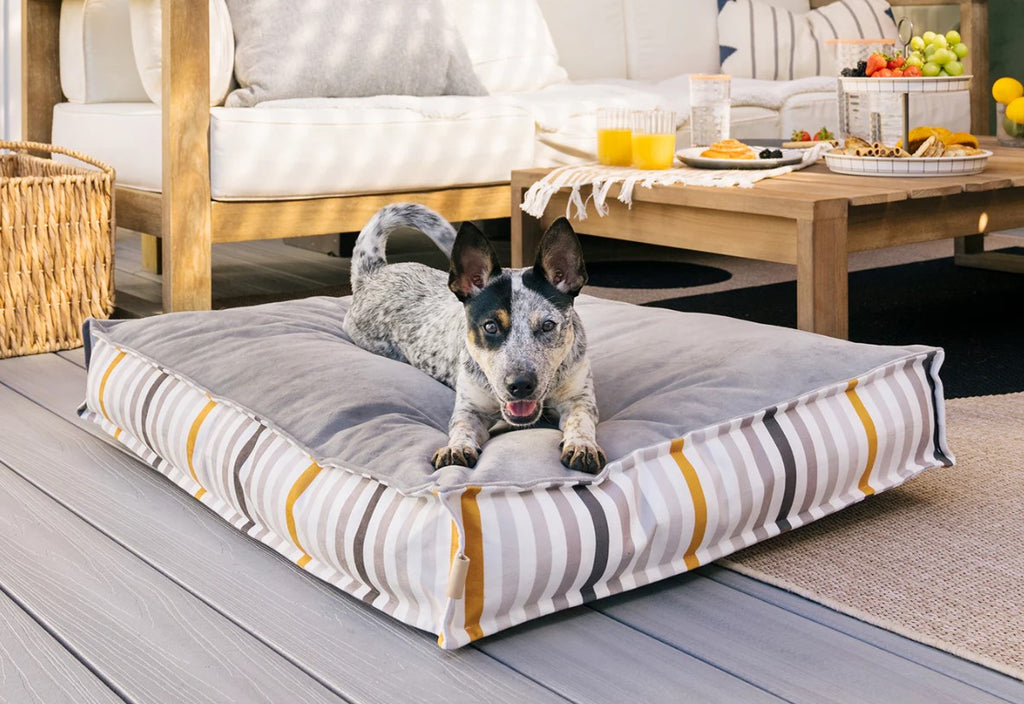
{"points": [[729, 149]]}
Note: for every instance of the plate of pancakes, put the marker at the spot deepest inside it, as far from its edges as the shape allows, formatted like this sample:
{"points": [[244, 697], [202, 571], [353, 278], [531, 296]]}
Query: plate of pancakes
{"points": [[734, 154]]}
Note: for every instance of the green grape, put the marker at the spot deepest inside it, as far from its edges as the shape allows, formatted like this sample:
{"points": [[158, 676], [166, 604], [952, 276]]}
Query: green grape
{"points": [[953, 37], [928, 37], [929, 51], [940, 41], [915, 59], [930, 68], [953, 68], [917, 43], [960, 49], [943, 57]]}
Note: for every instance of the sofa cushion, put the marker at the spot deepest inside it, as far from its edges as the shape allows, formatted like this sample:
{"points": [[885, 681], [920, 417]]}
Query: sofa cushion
{"points": [[508, 43], [318, 147], [96, 60], [355, 48], [648, 40], [720, 433], [146, 44], [758, 40]]}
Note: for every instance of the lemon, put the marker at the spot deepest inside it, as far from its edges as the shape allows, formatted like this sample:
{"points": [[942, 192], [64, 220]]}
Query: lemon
{"points": [[1015, 111], [1006, 90]]}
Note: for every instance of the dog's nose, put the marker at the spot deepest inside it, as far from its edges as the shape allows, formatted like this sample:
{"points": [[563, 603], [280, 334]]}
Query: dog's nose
{"points": [[521, 385]]}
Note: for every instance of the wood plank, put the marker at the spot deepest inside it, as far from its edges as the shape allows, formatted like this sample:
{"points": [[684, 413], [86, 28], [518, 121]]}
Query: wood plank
{"points": [[353, 648], [926, 219], [689, 227], [185, 122], [995, 683], [795, 658], [600, 661], [40, 68], [36, 669], [235, 221], [75, 356], [147, 637], [822, 299]]}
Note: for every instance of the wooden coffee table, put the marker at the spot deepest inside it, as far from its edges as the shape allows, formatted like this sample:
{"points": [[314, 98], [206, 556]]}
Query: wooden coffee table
{"points": [[811, 218]]}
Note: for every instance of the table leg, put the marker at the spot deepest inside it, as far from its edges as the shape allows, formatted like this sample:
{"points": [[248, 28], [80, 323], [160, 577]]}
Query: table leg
{"points": [[525, 232], [822, 294]]}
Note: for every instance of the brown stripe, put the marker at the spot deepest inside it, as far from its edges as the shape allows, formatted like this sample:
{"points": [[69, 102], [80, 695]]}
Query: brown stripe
{"points": [[359, 544]]}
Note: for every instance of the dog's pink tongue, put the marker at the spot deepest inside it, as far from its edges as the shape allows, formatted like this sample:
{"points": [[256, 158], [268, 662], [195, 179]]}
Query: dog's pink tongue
{"points": [[521, 409]]}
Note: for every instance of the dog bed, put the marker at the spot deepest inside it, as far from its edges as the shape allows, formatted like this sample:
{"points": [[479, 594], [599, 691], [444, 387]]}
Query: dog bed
{"points": [[719, 433]]}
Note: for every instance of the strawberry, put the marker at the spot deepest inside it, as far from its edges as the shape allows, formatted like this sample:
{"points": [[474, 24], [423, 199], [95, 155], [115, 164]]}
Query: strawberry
{"points": [[896, 62], [912, 72], [801, 136], [876, 62], [883, 73], [823, 135]]}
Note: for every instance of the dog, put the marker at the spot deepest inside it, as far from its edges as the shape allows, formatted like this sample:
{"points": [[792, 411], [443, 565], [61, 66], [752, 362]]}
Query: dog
{"points": [[507, 340]]}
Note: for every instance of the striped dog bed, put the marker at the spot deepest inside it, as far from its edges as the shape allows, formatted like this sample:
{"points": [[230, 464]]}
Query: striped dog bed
{"points": [[719, 433]]}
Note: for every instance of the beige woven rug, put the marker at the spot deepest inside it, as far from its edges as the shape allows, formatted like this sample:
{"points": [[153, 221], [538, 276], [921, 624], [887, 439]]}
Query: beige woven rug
{"points": [[939, 559]]}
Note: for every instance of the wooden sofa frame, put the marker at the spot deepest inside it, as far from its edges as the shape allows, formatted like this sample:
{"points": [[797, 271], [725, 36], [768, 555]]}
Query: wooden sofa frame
{"points": [[185, 217]]}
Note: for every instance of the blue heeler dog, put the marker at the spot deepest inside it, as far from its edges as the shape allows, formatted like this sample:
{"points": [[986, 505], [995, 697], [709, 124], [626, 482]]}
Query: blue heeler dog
{"points": [[508, 341]]}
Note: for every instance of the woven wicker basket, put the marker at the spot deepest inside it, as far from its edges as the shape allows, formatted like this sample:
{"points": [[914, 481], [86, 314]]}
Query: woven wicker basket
{"points": [[56, 248]]}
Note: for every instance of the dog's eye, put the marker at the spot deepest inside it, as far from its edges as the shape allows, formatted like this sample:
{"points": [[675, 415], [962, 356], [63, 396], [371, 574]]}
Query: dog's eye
{"points": [[491, 327], [547, 326]]}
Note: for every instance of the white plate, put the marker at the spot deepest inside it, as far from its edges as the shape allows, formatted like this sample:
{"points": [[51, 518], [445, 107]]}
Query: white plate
{"points": [[906, 166], [692, 157], [923, 84]]}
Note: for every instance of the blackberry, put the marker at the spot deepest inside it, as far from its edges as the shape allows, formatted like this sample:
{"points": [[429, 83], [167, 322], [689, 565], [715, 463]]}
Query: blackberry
{"points": [[765, 154]]}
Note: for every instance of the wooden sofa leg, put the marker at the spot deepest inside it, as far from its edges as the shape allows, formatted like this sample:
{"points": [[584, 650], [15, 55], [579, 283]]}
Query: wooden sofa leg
{"points": [[152, 256]]}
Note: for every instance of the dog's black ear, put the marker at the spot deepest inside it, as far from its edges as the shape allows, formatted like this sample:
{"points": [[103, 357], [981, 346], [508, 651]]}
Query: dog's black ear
{"points": [[473, 264], [560, 258]]}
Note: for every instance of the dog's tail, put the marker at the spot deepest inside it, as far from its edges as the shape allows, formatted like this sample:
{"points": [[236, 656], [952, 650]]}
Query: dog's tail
{"points": [[368, 253]]}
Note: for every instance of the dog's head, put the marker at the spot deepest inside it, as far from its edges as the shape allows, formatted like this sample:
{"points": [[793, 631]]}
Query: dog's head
{"points": [[521, 324]]}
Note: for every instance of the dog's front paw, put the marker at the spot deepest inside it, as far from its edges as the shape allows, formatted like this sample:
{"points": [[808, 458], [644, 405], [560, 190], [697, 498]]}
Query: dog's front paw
{"points": [[583, 456], [460, 455]]}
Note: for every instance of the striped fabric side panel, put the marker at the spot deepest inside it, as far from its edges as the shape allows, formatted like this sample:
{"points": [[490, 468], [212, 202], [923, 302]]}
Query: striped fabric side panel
{"points": [[688, 502], [388, 549]]}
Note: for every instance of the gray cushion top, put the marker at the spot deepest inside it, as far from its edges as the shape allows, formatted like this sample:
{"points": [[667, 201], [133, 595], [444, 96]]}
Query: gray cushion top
{"points": [[658, 374]]}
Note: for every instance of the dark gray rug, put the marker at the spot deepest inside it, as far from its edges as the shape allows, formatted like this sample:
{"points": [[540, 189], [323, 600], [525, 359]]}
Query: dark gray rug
{"points": [[974, 314]]}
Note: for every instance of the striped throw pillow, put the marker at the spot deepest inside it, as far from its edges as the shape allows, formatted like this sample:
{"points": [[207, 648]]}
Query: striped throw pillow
{"points": [[758, 40]]}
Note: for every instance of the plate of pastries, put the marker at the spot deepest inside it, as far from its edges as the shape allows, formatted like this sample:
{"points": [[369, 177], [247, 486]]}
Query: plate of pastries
{"points": [[930, 151], [734, 154]]}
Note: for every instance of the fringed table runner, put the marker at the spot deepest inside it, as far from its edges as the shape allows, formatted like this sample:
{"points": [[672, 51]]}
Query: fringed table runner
{"points": [[602, 178]]}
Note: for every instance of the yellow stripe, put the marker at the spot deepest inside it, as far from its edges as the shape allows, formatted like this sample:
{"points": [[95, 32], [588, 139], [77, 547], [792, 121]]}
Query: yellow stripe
{"points": [[475, 553], [700, 504], [103, 383], [190, 446], [869, 429], [300, 485]]}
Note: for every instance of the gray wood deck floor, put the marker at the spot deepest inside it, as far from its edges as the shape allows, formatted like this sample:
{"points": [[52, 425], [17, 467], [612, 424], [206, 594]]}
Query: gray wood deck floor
{"points": [[97, 604]]}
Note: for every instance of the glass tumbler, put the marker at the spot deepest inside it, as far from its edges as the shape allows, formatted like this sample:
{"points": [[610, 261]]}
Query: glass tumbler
{"points": [[614, 137], [654, 139], [709, 108]]}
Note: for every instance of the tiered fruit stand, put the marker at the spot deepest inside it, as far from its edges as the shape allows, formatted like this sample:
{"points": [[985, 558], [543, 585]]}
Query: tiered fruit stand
{"points": [[906, 166]]}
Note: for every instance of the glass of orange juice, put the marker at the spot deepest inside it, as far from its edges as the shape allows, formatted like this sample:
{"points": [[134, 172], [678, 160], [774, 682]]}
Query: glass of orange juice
{"points": [[614, 137], [654, 139]]}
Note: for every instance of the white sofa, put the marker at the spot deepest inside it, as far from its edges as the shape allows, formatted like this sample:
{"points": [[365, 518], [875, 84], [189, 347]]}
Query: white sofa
{"points": [[547, 66]]}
